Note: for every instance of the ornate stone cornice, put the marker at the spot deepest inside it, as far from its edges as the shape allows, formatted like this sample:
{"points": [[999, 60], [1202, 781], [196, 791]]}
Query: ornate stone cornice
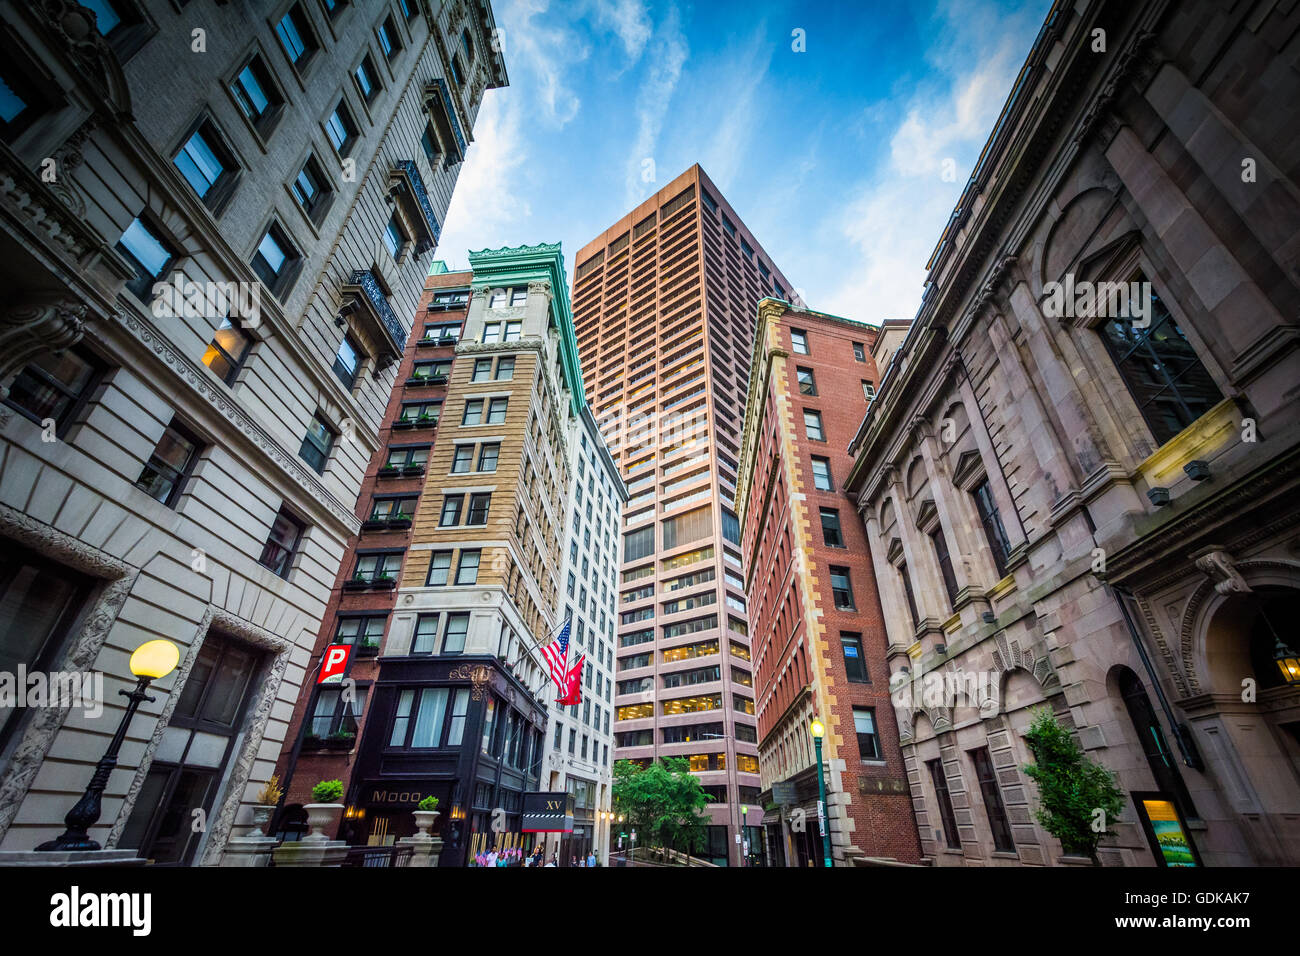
{"points": [[1136, 64]]}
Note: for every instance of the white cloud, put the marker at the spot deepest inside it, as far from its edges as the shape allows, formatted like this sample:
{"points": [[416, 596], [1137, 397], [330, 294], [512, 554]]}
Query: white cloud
{"points": [[487, 206], [630, 21], [737, 104], [892, 220], [668, 53], [539, 50]]}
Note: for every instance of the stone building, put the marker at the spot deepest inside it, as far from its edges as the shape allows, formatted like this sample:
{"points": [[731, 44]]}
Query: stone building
{"points": [[211, 257], [1079, 478], [815, 623]]}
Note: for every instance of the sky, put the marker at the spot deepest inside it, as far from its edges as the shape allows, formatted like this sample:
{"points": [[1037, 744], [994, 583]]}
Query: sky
{"points": [[844, 158]]}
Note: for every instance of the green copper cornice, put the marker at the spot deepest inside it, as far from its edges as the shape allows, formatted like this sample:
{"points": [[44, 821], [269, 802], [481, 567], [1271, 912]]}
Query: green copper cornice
{"points": [[519, 265]]}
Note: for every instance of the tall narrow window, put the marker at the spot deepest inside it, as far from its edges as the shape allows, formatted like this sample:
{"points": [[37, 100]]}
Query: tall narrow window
{"points": [[821, 468], [842, 589], [940, 782], [226, 352], [462, 459], [275, 259], [945, 564], [831, 528], [812, 423], [807, 385], [150, 254], [282, 543], [907, 592], [1161, 760], [295, 36], [864, 723], [855, 665], [991, 520], [54, 386], [989, 790], [316, 444], [257, 96], [341, 129], [203, 161], [347, 361], [1170, 385], [799, 341]]}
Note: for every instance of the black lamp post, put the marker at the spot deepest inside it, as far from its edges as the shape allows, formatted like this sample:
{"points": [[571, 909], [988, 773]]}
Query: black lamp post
{"points": [[1288, 662], [151, 661]]}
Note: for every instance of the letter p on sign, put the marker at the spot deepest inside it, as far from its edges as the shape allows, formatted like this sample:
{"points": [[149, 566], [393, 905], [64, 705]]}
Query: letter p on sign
{"points": [[334, 663]]}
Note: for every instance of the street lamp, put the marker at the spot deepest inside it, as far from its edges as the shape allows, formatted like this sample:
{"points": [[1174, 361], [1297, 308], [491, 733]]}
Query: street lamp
{"points": [[1288, 662], [151, 661], [818, 732]]}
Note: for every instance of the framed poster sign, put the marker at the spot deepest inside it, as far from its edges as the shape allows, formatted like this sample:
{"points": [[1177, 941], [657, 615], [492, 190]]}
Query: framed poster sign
{"points": [[1170, 841]]}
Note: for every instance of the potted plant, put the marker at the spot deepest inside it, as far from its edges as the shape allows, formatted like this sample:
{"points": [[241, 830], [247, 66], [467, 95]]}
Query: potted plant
{"points": [[267, 800], [399, 519], [426, 814], [340, 740], [384, 581], [312, 741], [368, 648], [388, 471], [325, 812]]}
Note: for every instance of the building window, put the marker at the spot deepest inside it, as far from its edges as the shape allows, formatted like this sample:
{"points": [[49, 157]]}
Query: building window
{"points": [[868, 390], [281, 543], [366, 81], [488, 455], [864, 723], [316, 444], [22, 103], [945, 564], [821, 469], [473, 414], [478, 509], [637, 544], [453, 639], [173, 457], [1171, 387], [907, 593], [451, 508], [347, 362], [461, 459], [148, 253], [497, 411], [296, 37], [331, 714], [205, 724], [799, 341], [439, 569], [394, 238], [40, 602], [467, 46], [311, 189], [257, 96], [859, 352], [275, 260], [389, 39], [806, 384], [855, 665], [341, 129], [54, 386], [467, 567], [842, 589], [994, 533], [940, 782], [205, 162], [482, 370], [365, 630], [831, 528], [812, 424], [226, 352], [993, 807]]}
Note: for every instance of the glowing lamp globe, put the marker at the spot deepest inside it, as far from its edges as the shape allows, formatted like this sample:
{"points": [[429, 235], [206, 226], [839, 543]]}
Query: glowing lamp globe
{"points": [[818, 729], [155, 659]]}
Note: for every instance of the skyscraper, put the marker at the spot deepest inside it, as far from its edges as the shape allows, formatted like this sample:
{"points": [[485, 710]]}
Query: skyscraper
{"points": [[664, 303]]}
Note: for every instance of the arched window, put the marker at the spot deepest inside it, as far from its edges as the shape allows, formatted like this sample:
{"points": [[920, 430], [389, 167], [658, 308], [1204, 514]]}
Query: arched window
{"points": [[1160, 758]]}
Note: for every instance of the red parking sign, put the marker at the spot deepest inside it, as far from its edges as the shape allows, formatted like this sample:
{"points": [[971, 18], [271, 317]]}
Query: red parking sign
{"points": [[334, 663]]}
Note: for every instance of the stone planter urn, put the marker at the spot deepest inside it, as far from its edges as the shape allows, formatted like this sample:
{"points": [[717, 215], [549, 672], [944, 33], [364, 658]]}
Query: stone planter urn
{"points": [[322, 817], [424, 821], [261, 816]]}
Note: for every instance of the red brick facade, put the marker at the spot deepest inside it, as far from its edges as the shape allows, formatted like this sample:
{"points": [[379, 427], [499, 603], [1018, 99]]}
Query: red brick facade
{"points": [[300, 766], [796, 628]]}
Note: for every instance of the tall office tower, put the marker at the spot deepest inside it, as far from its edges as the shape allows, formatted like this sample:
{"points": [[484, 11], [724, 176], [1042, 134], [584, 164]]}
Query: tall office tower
{"points": [[210, 260], [664, 305]]}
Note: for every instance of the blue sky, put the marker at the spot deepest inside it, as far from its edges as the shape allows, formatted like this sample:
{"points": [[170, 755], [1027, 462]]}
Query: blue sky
{"points": [[834, 157]]}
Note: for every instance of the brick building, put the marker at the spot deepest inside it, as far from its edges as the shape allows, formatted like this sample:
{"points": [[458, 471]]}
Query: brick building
{"points": [[816, 627]]}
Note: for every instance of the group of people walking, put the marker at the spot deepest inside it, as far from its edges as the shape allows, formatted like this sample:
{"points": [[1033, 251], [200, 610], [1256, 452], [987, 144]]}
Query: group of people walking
{"points": [[515, 857]]}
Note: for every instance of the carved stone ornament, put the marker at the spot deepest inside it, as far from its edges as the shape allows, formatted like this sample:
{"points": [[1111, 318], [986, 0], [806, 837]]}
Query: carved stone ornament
{"points": [[1218, 564], [34, 325]]}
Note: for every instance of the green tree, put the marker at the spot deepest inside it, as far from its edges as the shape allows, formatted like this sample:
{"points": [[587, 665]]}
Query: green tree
{"points": [[663, 802], [1077, 798]]}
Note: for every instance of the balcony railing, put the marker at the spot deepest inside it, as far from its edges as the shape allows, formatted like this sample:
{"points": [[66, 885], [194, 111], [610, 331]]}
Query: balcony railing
{"points": [[368, 298], [410, 185]]}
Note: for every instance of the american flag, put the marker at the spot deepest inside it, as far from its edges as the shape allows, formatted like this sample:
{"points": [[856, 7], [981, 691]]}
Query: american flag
{"points": [[557, 656]]}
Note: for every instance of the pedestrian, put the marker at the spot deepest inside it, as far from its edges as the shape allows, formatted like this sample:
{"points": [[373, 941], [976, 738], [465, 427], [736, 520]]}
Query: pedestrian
{"points": [[591, 858], [552, 860]]}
